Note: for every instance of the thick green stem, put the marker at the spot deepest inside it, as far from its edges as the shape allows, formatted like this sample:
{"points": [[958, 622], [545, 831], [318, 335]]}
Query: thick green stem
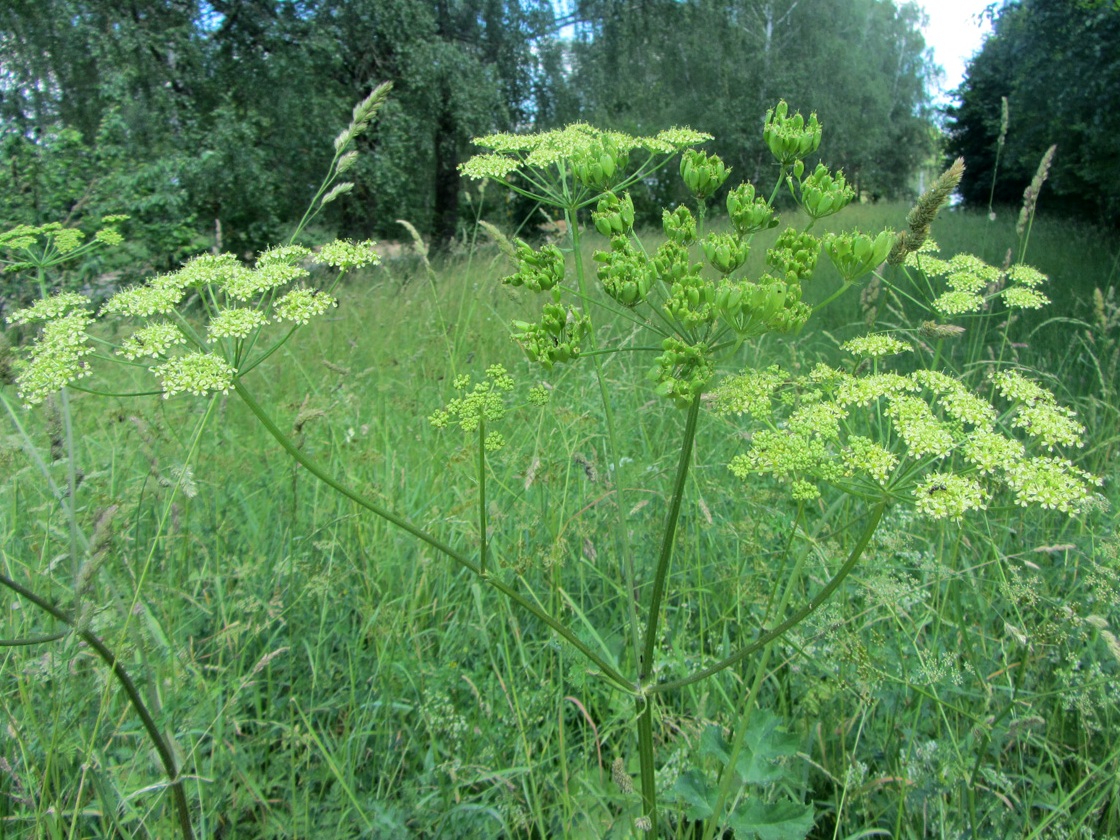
{"points": [[482, 526], [645, 663], [645, 660], [647, 763], [791, 622], [373, 507], [614, 456], [166, 756]]}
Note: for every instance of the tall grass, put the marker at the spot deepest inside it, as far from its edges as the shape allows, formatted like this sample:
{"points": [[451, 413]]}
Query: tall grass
{"points": [[322, 675]]}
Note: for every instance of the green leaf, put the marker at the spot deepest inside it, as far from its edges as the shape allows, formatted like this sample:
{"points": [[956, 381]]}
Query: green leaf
{"points": [[784, 820], [694, 790], [712, 742], [762, 746]]}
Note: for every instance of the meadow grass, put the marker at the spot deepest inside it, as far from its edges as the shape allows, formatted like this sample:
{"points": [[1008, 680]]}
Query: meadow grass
{"points": [[324, 675]]}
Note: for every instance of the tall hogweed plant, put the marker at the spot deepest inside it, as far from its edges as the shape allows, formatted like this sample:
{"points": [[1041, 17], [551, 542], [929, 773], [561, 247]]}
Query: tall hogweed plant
{"points": [[893, 424]]}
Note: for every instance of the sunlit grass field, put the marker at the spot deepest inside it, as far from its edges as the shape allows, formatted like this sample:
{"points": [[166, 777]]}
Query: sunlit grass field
{"points": [[324, 675]]}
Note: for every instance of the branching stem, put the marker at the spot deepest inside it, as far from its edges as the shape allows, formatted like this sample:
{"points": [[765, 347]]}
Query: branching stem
{"points": [[607, 670]]}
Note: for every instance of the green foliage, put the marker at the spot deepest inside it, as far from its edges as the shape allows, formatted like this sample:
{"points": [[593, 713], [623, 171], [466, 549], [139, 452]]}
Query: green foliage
{"points": [[1055, 64], [203, 123]]}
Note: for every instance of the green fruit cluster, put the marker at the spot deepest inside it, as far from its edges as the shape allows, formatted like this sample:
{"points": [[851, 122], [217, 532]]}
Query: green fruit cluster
{"points": [[614, 215], [855, 254], [703, 174], [823, 193], [749, 213], [537, 270], [790, 138], [557, 338]]}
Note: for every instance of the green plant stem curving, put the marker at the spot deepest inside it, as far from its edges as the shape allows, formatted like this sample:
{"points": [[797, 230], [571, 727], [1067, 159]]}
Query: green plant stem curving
{"points": [[766, 638], [313, 467], [166, 756]]}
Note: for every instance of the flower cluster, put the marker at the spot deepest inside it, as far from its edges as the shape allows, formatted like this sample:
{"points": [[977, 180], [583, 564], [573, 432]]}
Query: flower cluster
{"points": [[58, 356], [301, 305], [943, 446], [348, 256], [972, 282], [39, 246], [195, 373], [484, 403], [153, 341], [238, 322], [596, 157], [1038, 413], [873, 346], [240, 301]]}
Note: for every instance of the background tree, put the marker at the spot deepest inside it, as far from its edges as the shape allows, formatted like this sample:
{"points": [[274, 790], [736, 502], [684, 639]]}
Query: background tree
{"points": [[209, 121], [1057, 63], [718, 64]]}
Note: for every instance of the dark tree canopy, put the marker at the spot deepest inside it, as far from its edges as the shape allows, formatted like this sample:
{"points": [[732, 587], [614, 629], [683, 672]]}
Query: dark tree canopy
{"points": [[200, 116], [1058, 64]]}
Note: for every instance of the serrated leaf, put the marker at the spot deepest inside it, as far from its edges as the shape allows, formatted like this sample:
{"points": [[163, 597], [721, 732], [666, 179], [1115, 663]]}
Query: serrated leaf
{"points": [[694, 789], [712, 742], [786, 820], [762, 746]]}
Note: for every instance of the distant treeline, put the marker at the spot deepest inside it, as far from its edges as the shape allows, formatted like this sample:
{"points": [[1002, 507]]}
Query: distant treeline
{"points": [[1057, 64], [206, 118]]}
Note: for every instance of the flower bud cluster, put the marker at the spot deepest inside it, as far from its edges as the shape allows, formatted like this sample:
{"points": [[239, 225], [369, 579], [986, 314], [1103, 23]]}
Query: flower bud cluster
{"points": [[790, 138]]}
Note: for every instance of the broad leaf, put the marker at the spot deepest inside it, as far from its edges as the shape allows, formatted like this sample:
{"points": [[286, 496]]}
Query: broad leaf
{"points": [[762, 746], [694, 789], [712, 742], [784, 820]]}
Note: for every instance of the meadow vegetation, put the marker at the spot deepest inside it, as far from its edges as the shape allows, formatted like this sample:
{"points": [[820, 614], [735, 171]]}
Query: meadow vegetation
{"points": [[528, 666]]}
